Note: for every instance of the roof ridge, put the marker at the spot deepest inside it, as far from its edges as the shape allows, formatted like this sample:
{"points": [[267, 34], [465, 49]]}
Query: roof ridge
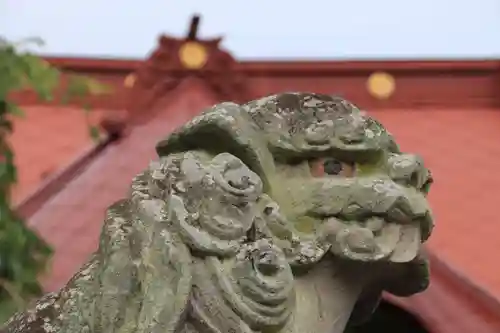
{"points": [[450, 291], [460, 279]]}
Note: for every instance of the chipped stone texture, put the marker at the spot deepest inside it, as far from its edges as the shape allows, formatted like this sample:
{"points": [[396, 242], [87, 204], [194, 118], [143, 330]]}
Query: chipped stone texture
{"points": [[229, 231]]}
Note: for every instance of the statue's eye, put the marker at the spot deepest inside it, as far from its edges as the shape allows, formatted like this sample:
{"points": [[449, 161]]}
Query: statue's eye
{"points": [[329, 166], [332, 166]]}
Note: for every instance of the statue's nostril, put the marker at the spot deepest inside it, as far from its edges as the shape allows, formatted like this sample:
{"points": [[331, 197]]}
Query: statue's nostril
{"points": [[401, 211], [398, 215]]}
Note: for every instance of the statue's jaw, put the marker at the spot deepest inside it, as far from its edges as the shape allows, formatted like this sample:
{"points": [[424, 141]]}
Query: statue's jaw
{"points": [[373, 239], [325, 297]]}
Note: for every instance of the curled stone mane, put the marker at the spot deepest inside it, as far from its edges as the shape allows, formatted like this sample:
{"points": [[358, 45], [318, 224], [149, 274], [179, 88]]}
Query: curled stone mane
{"points": [[205, 242]]}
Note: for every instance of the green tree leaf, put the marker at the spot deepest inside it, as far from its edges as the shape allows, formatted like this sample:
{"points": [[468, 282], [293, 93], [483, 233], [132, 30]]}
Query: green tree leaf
{"points": [[23, 255], [15, 110], [94, 133]]}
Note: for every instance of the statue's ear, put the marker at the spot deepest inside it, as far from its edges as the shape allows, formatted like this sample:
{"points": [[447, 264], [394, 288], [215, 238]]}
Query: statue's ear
{"points": [[225, 127]]}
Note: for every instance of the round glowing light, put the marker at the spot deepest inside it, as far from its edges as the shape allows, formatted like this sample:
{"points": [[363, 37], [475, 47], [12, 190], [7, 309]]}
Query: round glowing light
{"points": [[129, 81], [381, 85], [193, 55]]}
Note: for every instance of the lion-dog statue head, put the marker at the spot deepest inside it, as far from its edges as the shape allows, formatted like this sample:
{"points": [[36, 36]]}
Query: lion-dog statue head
{"points": [[291, 213]]}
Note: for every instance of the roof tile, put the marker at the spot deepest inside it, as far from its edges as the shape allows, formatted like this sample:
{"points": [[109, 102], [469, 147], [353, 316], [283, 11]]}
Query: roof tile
{"points": [[45, 140]]}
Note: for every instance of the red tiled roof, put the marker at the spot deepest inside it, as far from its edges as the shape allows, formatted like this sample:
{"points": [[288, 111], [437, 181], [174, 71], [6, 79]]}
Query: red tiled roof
{"points": [[44, 141], [72, 220]]}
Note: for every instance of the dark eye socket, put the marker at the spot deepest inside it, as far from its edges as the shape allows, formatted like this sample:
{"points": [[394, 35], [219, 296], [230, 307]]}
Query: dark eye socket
{"points": [[332, 167]]}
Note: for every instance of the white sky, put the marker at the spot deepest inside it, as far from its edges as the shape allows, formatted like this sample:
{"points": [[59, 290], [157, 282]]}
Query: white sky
{"points": [[352, 29]]}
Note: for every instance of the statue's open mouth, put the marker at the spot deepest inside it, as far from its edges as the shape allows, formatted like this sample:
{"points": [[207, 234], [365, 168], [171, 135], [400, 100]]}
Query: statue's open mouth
{"points": [[374, 237]]}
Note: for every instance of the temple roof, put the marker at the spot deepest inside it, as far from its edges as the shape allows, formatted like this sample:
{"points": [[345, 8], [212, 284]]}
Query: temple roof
{"points": [[449, 112]]}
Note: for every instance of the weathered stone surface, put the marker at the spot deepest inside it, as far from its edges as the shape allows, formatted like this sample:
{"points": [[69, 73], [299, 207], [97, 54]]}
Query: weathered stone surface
{"points": [[285, 214]]}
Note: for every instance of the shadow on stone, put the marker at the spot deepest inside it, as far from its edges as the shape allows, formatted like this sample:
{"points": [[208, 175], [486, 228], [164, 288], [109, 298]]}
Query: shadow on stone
{"points": [[389, 318]]}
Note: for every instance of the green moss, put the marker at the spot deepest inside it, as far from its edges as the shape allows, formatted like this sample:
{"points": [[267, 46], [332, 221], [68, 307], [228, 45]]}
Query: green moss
{"points": [[366, 169], [305, 224], [373, 167]]}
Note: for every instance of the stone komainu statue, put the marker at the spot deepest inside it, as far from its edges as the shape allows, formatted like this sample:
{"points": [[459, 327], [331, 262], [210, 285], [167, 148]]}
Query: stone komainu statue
{"points": [[291, 213]]}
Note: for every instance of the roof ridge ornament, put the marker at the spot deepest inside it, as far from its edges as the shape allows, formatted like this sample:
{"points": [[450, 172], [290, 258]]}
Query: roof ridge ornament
{"points": [[193, 54], [193, 28]]}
